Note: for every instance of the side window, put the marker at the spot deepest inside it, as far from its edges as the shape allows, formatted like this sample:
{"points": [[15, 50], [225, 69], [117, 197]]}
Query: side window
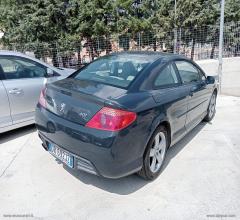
{"points": [[167, 77], [188, 72], [17, 68]]}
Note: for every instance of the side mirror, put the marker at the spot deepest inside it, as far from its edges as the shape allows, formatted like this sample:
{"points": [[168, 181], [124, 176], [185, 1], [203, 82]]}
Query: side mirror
{"points": [[210, 80], [50, 72]]}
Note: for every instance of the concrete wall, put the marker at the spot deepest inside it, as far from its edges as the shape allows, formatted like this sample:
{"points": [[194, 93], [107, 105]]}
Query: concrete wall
{"points": [[230, 76]]}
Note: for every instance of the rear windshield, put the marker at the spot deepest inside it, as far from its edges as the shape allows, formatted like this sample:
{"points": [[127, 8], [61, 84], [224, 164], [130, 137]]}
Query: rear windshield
{"points": [[116, 70]]}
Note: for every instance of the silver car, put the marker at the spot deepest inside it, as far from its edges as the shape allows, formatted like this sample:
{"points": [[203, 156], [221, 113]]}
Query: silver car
{"points": [[21, 80]]}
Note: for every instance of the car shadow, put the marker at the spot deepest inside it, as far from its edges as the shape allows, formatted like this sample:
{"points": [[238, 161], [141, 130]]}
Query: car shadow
{"points": [[16, 133], [132, 183], [176, 148]]}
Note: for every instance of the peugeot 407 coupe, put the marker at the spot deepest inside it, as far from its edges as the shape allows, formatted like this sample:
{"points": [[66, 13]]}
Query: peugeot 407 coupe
{"points": [[119, 114]]}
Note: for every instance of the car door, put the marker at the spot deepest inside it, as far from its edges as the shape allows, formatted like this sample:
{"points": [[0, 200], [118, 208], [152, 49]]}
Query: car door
{"points": [[169, 91], [207, 91], [190, 77], [5, 113], [23, 81]]}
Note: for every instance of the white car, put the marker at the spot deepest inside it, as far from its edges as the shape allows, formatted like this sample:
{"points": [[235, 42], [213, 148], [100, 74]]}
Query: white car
{"points": [[21, 80]]}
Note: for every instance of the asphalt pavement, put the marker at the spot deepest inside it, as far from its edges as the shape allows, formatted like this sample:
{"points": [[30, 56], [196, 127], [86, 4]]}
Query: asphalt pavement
{"points": [[200, 179]]}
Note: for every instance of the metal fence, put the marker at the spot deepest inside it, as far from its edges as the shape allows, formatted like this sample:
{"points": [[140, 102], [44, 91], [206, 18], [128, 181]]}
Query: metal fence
{"points": [[196, 43]]}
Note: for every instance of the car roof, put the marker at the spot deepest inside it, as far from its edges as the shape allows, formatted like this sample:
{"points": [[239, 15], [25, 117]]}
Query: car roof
{"points": [[14, 53], [152, 55], [18, 54]]}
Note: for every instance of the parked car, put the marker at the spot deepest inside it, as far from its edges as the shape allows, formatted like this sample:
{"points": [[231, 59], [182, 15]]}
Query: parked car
{"points": [[120, 114], [21, 80]]}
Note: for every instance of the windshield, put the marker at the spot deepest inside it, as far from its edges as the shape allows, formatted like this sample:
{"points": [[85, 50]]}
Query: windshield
{"points": [[116, 70]]}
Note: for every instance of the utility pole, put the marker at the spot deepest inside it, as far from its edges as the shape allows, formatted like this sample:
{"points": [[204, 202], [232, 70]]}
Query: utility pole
{"points": [[175, 27], [221, 45]]}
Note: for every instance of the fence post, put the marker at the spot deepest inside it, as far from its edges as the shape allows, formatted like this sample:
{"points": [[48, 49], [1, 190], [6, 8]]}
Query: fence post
{"points": [[221, 46]]}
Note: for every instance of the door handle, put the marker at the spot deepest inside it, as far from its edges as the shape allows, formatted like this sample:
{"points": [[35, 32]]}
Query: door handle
{"points": [[15, 91]]}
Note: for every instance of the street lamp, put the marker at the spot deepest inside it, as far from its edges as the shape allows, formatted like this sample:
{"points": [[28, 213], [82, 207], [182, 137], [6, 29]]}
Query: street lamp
{"points": [[221, 45]]}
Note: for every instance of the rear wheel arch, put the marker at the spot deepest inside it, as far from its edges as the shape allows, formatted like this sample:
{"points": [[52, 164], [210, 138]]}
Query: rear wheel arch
{"points": [[166, 125], [146, 172]]}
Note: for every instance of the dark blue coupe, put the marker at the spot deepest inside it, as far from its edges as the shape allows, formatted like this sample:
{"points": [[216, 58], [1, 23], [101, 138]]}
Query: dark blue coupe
{"points": [[119, 114]]}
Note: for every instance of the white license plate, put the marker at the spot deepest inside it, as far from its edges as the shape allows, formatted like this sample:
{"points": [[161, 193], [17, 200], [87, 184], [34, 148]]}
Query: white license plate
{"points": [[62, 155]]}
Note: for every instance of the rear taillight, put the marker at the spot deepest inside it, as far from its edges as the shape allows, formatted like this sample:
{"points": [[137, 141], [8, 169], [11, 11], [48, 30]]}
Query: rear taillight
{"points": [[111, 119], [42, 98]]}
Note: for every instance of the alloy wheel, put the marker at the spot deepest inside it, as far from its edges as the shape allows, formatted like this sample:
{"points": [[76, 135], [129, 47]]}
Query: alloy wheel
{"points": [[212, 105], [157, 152]]}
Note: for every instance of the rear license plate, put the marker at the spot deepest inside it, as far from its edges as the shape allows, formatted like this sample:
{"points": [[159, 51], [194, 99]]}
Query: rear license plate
{"points": [[62, 155]]}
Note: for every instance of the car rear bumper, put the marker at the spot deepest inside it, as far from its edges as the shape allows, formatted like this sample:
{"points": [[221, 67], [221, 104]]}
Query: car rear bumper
{"points": [[79, 162], [98, 152]]}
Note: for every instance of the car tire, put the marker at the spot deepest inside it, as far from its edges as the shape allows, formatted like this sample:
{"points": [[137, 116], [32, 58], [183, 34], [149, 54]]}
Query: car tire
{"points": [[155, 154], [211, 111]]}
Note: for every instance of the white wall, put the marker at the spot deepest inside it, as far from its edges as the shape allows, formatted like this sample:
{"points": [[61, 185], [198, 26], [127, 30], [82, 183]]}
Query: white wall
{"points": [[230, 76]]}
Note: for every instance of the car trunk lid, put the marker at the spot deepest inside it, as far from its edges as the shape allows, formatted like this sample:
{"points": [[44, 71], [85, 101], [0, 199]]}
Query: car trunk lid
{"points": [[78, 100]]}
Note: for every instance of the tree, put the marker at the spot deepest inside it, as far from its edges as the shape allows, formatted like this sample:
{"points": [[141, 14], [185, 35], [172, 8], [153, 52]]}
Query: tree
{"points": [[164, 23], [232, 30], [42, 23], [193, 16], [91, 20], [135, 17], [62, 24]]}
